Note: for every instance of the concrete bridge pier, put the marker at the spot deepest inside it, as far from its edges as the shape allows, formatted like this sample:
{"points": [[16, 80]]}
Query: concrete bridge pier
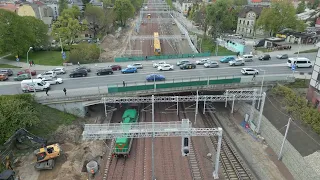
{"points": [[75, 108]]}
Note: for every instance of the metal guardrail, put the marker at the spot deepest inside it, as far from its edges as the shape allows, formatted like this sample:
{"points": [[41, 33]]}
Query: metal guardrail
{"points": [[96, 94]]}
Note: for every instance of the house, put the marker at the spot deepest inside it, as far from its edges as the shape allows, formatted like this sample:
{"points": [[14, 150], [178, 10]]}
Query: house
{"points": [[9, 6], [313, 94], [246, 21], [185, 5], [38, 10]]}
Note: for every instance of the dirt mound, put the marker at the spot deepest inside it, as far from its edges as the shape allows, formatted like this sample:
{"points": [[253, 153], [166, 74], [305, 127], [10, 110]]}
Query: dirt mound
{"points": [[64, 134]]}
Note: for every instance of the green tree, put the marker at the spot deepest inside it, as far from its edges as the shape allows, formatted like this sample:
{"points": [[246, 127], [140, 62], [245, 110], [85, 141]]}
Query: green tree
{"points": [[16, 112], [84, 53], [16, 35], [97, 19], [123, 10], [286, 17], [39, 30], [240, 2], [62, 4], [301, 7], [137, 4], [315, 4], [219, 17], [68, 27]]}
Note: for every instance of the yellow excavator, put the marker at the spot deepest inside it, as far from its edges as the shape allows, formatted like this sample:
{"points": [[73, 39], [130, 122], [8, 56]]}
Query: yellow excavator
{"points": [[45, 156]]}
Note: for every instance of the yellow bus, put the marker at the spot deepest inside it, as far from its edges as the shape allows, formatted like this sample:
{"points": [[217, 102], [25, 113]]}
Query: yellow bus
{"points": [[156, 44], [149, 16]]}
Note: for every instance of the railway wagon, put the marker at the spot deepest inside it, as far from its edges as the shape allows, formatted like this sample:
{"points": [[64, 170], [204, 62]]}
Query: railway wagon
{"points": [[123, 145]]}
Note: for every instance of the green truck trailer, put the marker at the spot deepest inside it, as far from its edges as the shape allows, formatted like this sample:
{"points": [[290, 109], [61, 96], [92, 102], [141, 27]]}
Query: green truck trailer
{"points": [[123, 145]]}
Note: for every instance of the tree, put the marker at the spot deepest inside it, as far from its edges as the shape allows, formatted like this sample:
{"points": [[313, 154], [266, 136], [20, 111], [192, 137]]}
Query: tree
{"points": [[286, 17], [62, 4], [219, 17], [123, 10], [16, 112], [16, 35], [97, 19], [68, 27], [301, 7], [84, 53], [240, 2], [39, 30], [137, 4], [315, 4]]}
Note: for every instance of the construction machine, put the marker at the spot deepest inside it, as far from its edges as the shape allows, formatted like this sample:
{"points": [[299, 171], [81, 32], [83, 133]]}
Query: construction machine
{"points": [[8, 175], [45, 156]]}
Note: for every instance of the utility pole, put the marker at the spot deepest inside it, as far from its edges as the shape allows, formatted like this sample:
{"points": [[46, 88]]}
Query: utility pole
{"points": [[152, 145], [284, 139]]}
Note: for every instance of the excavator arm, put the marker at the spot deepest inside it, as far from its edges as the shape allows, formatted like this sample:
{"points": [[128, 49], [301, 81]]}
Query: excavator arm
{"points": [[21, 135]]}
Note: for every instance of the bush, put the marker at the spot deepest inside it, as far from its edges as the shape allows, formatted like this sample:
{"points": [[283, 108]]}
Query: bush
{"points": [[298, 107], [16, 112], [84, 53]]}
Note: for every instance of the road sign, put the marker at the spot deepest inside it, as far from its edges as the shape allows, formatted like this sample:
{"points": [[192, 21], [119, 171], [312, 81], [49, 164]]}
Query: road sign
{"points": [[64, 55], [293, 67]]}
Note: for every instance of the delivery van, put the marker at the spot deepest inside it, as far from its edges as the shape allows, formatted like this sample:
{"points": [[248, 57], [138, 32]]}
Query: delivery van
{"points": [[37, 84]]}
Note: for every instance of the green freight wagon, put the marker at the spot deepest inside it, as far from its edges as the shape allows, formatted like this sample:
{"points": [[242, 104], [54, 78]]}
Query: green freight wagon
{"points": [[123, 145]]}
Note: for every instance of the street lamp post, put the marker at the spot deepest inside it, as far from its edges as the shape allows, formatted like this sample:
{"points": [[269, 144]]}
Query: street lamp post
{"points": [[264, 72], [34, 89]]}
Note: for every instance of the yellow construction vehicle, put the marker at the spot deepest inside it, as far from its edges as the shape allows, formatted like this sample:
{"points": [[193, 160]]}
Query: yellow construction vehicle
{"points": [[45, 156]]}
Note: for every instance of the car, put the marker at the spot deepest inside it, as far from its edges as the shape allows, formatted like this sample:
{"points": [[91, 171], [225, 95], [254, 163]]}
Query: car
{"points": [[136, 65], [83, 68], [155, 77], [227, 59], [115, 67], [59, 70], [129, 70], [165, 67], [9, 72], [78, 73], [104, 71], [188, 66], [211, 64], [179, 63], [282, 56], [237, 62], [238, 36], [155, 65], [47, 74], [3, 77], [53, 81], [202, 61], [265, 57], [27, 71], [22, 77], [249, 71], [247, 57]]}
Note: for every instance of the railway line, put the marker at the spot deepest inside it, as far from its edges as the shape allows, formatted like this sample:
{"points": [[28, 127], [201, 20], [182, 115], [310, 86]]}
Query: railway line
{"points": [[231, 163]]}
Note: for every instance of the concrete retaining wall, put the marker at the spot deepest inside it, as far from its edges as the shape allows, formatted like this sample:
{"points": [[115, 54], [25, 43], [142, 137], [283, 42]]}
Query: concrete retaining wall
{"points": [[76, 108], [291, 157]]}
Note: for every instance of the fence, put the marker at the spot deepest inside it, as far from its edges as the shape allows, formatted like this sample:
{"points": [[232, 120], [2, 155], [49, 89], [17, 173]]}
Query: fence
{"points": [[173, 83], [173, 56]]}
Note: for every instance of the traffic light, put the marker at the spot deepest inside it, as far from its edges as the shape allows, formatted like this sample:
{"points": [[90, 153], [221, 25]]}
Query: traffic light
{"points": [[185, 146]]}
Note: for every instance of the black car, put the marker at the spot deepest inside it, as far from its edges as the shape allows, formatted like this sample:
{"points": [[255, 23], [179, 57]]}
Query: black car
{"points": [[83, 68], [78, 73], [265, 57], [188, 66], [104, 71]]}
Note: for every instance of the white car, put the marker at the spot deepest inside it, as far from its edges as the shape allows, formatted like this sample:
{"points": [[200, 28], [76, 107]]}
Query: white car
{"points": [[165, 67], [237, 62], [155, 65], [202, 61], [136, 65], [53, 80], [249, 71], [59, 70], [47, 74]]}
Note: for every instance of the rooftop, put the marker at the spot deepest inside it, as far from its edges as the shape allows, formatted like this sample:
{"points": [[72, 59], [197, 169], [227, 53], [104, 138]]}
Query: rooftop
{"points": [[246, 9]]}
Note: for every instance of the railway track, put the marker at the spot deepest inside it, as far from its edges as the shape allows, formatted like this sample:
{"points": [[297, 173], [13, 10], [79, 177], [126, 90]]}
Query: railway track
{"points": [[231, 163], [197, 173]]}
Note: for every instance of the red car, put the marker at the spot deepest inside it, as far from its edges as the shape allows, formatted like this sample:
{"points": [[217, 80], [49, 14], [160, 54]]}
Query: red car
{"points": [[115, 67], [27, 71]]}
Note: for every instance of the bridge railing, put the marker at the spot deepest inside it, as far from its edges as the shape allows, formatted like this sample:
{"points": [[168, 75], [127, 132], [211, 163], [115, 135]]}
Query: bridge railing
{"points": [[96, 93]]}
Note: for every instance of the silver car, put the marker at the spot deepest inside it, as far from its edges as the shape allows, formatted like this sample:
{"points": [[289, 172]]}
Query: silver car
{"points": [[136, 65], [211, 64], [237, 62]]}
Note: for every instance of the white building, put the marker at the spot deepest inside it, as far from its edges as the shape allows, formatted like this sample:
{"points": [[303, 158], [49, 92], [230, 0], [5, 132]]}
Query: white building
{"points": [[313, 94]]}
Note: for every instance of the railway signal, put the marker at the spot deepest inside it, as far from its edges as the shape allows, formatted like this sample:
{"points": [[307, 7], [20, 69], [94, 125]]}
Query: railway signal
{"points": [[185, 146]]}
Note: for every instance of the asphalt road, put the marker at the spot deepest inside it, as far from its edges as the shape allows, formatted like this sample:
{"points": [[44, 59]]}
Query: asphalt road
{"points": [[273, 66]]}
